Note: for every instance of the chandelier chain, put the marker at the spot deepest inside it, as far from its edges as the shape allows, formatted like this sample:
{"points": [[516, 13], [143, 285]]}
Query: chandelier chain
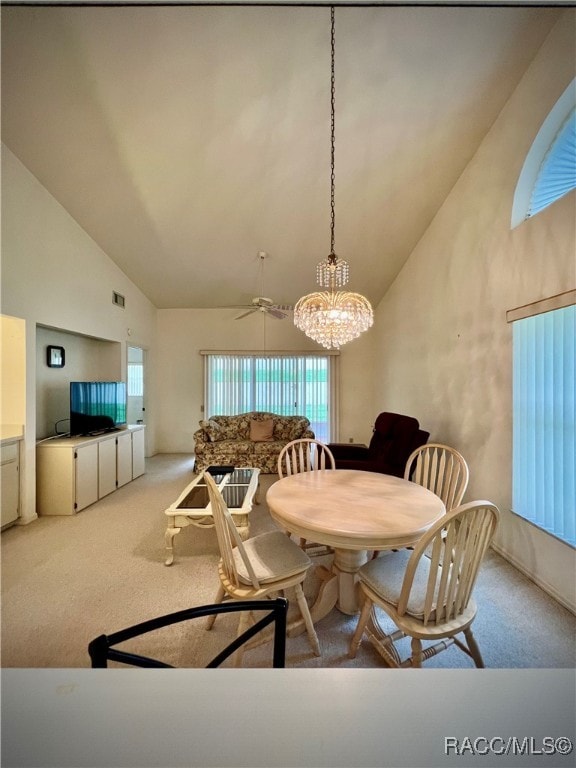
{"points": [[333, 317], [332, 130]]}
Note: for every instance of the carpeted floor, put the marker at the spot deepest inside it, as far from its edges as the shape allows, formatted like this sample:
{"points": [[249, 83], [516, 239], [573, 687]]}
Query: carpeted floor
{"points": [[66, 580]]}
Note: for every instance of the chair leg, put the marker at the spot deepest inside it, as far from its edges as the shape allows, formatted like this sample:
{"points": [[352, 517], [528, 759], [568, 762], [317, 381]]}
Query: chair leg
{"points": [[242, 627], [305, 611], [218, 599], [417, 656], [360, 627], [473, 647]]}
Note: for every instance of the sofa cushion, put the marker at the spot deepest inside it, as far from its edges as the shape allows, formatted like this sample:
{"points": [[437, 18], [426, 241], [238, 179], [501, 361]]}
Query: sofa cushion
{"points": [[261, 430], [231, 427], [272, 447], [235, 446]]}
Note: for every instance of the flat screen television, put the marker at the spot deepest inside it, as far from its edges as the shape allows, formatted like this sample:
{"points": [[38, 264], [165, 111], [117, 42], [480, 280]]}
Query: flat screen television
{"points": [[97, 406]]}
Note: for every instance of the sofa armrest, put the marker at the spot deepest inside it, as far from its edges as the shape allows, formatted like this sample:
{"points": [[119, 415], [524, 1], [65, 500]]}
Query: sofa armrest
{"points": [[200, 437], [308, 434]]}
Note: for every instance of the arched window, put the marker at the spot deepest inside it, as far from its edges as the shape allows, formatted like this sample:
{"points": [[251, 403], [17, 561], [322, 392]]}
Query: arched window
{"points": [[549, 171]]}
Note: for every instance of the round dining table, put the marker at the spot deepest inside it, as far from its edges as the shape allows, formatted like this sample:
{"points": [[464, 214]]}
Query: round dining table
{"points": [[354, 512]]}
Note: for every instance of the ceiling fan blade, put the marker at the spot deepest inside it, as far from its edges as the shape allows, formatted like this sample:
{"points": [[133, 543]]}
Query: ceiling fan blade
{"points": [[276, 313], [245, 314]]}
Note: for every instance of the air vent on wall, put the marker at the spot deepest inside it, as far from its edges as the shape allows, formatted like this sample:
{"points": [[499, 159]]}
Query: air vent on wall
{"points": [[118, 299]]}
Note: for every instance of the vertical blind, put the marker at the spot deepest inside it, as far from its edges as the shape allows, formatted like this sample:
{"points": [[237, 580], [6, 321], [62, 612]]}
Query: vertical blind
{"points": [[135, 379], [283, 384], [544, 439]]}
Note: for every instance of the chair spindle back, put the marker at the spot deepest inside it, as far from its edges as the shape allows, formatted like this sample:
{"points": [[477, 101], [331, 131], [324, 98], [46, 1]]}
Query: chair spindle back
{"points": [[228, 536], [440, 469], [305, 455], [456, 545]]}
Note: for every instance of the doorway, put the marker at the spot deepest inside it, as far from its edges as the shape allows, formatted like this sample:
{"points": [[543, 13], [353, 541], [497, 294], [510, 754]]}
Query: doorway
{"points": [[136, 406]]}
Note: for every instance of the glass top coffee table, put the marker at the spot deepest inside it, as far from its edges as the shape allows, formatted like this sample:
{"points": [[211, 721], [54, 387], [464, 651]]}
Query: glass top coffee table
{"points": [[238, 486]]}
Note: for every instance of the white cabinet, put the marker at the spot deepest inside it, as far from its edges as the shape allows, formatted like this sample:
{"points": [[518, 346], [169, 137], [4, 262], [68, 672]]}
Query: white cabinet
{"points": [[138, 465], [106, 467], [72, 473], [124, 458], [10, 483], [84, 490]]}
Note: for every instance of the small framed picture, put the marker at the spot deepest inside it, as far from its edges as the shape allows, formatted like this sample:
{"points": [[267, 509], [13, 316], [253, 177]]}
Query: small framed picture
{"points": [[55, 357]]}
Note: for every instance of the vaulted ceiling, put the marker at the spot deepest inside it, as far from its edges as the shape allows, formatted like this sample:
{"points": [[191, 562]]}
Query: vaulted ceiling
{"points": [[186, 139]]}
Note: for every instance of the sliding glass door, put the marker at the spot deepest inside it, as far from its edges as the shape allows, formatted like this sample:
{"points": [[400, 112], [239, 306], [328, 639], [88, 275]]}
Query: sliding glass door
{"points": [[286, 384]]}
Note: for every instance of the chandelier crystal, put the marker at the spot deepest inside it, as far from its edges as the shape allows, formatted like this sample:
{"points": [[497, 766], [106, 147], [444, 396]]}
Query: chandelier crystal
{"points": [[333, 317]]}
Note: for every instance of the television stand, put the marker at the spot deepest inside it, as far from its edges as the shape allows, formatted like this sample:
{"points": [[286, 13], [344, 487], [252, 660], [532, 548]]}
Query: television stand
{"points": [[75, 472], [239, 488]]}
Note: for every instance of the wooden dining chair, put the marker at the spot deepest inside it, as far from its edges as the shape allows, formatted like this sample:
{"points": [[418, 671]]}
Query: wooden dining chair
{"points": [[257, 568], [440, 469], [427, 592], [306, 455]]}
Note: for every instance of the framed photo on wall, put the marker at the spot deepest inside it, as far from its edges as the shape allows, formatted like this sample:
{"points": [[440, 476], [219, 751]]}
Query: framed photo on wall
{"points": [[55, 357]]}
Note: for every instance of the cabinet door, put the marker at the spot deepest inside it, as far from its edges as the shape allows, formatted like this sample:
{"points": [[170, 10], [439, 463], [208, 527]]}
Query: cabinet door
{"points": [[10, 487], [86, 475], [138, 464], [124, 458], [106, 467]]}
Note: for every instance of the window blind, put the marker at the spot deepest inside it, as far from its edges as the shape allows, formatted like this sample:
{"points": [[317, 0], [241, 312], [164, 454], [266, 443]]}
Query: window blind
{"points": [[283, 384], [544, 435], [557, 174], [135, 379]]}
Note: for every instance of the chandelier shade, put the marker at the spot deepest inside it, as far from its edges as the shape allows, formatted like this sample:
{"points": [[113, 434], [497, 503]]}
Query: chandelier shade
{"points": [[333, 317]]}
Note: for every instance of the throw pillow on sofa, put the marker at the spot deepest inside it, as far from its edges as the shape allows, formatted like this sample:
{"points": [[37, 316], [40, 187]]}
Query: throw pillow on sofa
{"points": [[261, 431], [213, 430]]}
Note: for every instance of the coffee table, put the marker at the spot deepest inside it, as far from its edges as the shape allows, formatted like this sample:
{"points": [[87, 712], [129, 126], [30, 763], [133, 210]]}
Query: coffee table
{"points": [[239, 487]]}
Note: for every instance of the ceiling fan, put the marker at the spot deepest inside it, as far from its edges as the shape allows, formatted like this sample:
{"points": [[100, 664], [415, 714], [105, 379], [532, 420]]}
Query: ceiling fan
{"points": [[262, 303]]}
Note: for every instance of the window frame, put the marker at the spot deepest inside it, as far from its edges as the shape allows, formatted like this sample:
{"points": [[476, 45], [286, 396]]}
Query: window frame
{"points": [[536, 157], [548, 519]]}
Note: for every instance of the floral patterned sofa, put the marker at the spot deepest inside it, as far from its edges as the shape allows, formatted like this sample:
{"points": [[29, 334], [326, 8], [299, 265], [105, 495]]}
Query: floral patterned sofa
{"points": [[252, 439]]}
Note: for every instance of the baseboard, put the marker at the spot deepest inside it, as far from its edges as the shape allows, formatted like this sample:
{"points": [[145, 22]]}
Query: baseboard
{"points": [[544, 586]]}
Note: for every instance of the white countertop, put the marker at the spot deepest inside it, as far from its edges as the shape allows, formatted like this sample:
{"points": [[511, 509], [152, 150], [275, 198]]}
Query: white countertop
{"points": [[325, 718]]}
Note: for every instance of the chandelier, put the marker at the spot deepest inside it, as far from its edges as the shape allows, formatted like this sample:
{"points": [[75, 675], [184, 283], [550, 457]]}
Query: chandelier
{"points": [[333, 317]]}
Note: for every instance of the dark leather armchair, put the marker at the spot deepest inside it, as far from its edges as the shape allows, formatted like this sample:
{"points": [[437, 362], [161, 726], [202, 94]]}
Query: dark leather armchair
{"points": [[393, 440]]}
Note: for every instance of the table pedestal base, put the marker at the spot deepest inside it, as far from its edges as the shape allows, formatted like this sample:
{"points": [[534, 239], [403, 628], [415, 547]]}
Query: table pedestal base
{"points": [[346, 565], [338, 587]]}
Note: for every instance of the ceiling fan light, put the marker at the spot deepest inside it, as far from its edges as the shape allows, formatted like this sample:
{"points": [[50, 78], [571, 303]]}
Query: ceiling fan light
{"points": [[332, 318]]}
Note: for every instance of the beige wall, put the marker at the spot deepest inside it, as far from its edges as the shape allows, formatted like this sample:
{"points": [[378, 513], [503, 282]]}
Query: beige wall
{"points": [[54, 275], [444, 347], [182, 333], [86, 359]]}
